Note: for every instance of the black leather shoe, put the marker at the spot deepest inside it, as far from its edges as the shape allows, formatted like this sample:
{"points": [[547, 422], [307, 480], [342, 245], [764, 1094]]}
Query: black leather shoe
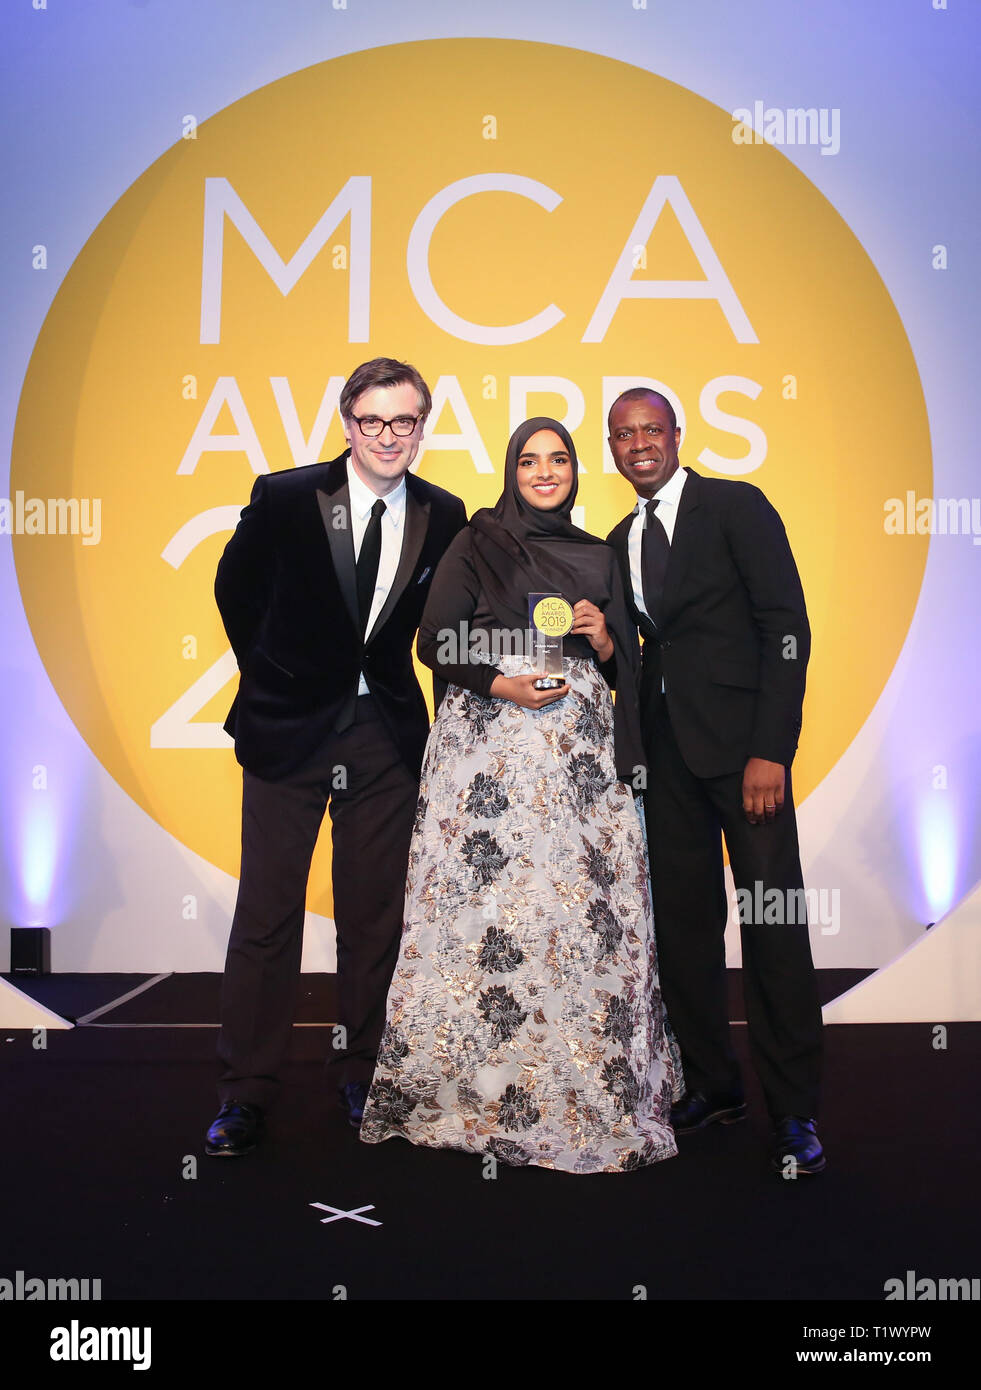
{"points": [[795, 1137], [235, 1131], [696, 1110], [353, 1098]]}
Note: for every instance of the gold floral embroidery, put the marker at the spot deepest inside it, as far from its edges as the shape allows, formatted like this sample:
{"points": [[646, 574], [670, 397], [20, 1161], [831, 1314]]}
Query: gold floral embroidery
{"points": [[524, 1019]]}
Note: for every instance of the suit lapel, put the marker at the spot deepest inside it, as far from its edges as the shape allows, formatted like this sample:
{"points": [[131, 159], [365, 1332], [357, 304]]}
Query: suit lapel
{"points": [[334, 502], [684, 543], [414, 533], [620, 540]]}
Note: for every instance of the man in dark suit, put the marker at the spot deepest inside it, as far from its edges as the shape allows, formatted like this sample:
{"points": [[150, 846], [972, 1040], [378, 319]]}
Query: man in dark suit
{"points": [[718, 600], [321, 589]]}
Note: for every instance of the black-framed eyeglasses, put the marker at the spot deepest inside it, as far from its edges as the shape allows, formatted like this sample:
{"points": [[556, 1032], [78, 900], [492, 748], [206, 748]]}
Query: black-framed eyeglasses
{"points": [[371, 426]]}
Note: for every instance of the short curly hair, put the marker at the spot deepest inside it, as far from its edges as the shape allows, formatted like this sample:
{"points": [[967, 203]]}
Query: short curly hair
{"points": [[638, 393]]}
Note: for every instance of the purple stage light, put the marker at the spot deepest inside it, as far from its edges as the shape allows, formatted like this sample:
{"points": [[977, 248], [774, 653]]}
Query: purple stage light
{"points": [[937, 842], [38, 857]]}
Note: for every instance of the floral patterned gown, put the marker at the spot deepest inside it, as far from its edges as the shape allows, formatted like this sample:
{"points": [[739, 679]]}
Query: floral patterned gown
{"points": [[524, 1018]]}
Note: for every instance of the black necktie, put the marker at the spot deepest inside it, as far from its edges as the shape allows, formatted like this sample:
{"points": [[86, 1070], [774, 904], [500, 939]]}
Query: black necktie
{"points": [[367, 566], [655, 551]]}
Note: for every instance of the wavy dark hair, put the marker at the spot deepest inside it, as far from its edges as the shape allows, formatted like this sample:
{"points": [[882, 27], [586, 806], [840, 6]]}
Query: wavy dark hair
{"points": [[383, 371]]}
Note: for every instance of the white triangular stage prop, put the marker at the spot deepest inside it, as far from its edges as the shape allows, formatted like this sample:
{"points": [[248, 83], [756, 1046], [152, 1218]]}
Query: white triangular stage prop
{"points": [[936, 980], [19, 1010]]}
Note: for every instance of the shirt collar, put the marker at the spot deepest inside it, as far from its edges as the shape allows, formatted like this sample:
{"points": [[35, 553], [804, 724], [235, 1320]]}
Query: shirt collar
{"points": [[670, 492], [363, 499]]}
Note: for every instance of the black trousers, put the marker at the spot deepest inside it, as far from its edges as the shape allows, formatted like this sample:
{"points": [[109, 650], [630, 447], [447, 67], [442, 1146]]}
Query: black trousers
{"points": [[686, 818], [372, 797]]}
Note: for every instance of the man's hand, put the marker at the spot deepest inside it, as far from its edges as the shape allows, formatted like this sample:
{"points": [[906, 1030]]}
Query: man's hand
{"points": [[763, 784], [521, 689], [590, 623]]}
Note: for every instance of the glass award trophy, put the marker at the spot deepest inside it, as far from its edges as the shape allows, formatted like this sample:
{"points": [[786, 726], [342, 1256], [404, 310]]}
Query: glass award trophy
{"points": [[551, 618]]}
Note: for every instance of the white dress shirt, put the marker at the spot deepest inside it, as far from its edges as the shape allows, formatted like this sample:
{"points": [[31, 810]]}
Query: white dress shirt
{"points": [[392, 531], [666, 515]]}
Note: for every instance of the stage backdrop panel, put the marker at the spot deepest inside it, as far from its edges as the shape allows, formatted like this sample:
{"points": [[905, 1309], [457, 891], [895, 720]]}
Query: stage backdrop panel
{"points": [[536, 218]]}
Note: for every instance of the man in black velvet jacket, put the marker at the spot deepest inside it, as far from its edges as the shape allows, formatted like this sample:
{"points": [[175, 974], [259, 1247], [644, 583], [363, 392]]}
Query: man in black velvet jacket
{"points": [[321, 589], [717, 597]]}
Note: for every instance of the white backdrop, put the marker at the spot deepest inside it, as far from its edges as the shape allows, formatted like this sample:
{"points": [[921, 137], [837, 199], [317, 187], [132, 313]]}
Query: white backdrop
{"points": [[89, 98]]}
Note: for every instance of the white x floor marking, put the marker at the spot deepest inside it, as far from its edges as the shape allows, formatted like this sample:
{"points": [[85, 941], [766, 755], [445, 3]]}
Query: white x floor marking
{"points": [[354, 1215]]}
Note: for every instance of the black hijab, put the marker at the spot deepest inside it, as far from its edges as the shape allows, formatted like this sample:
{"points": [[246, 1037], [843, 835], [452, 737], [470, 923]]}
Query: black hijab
{"points": [[520, 549]]}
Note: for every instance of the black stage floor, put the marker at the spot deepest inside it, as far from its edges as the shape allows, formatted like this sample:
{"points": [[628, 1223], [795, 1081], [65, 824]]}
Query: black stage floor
{"points": [[106, 1178]]}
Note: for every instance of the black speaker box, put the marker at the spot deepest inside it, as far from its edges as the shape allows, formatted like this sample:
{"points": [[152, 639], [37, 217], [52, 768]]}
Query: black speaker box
{"points": [[30, 950]]}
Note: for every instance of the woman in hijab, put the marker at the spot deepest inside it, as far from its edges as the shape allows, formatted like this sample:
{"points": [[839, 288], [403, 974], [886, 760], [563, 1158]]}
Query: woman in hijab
{"points": [[524, 1018]]}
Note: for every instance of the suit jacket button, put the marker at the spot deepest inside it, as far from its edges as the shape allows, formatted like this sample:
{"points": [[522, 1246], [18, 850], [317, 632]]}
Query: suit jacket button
{"points": [[664, 646]]}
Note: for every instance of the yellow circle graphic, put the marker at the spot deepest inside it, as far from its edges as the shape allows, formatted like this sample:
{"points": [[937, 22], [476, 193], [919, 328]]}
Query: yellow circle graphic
{"points": [[541, 228], [553, 616]]}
